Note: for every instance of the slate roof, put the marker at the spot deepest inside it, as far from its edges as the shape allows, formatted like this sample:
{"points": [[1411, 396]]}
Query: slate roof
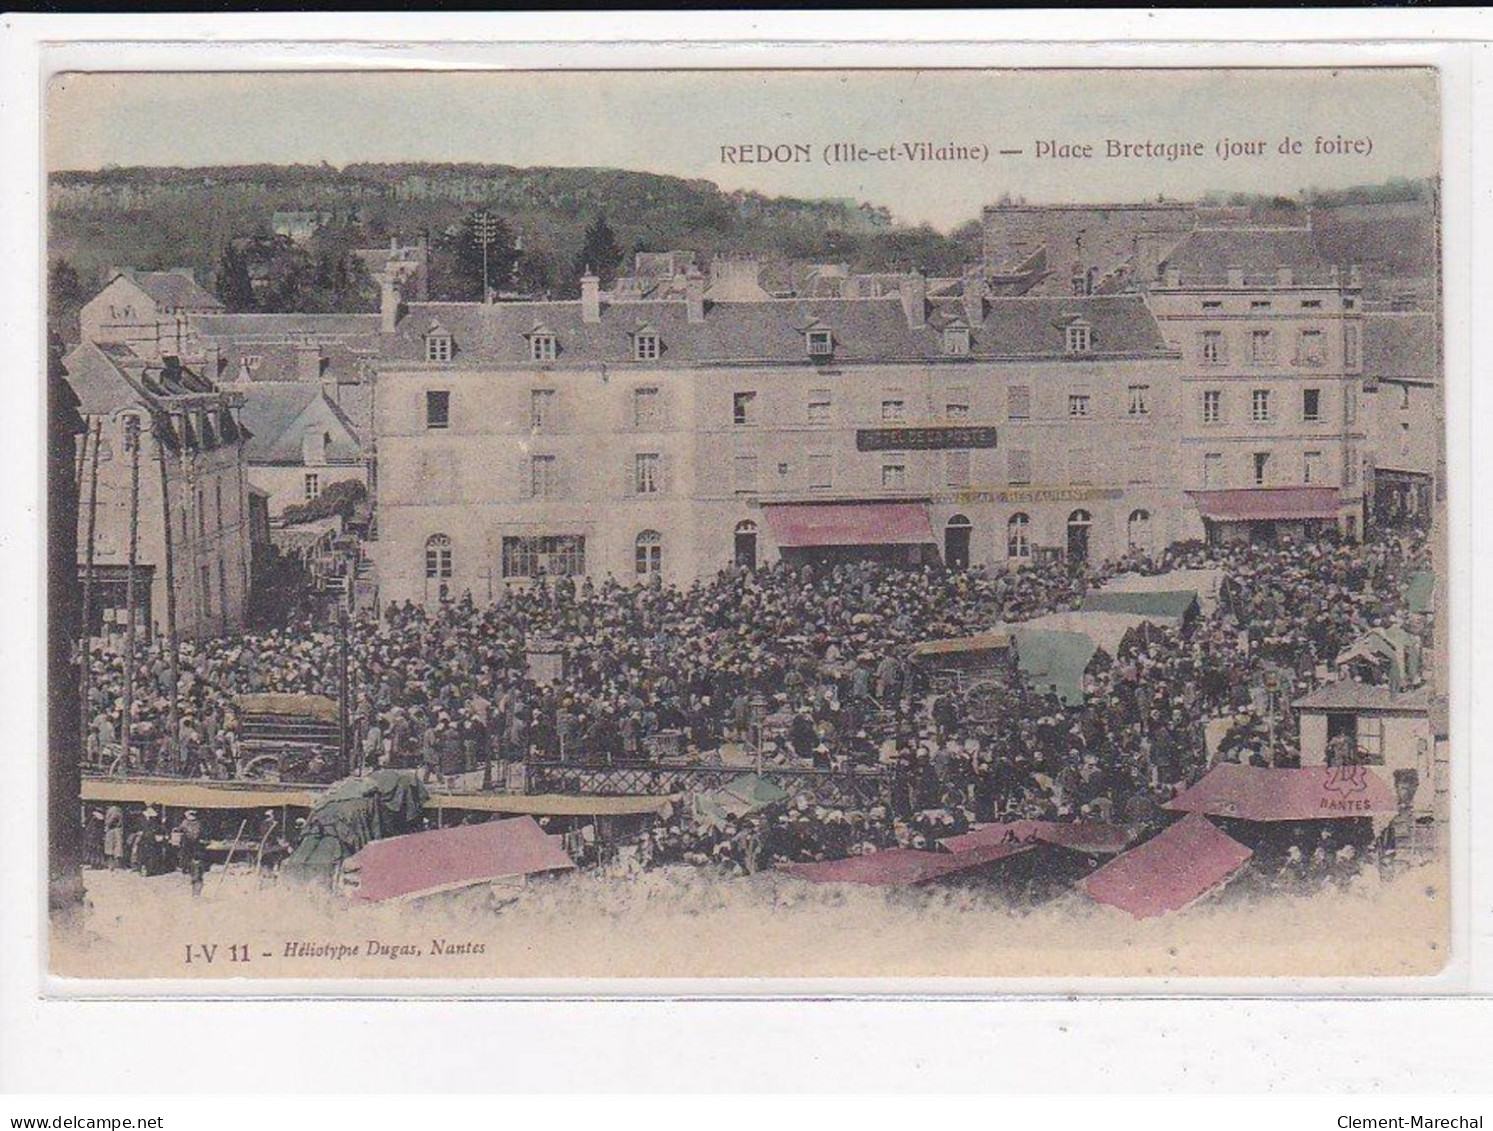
{"points": [[278, 415], [1347, 695], [1399, 345], [772, 331], [285, 327], [1211, 252], [173, 290], [108, 378]]}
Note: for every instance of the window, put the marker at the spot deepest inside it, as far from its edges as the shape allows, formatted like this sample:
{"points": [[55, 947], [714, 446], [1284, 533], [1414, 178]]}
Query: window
{"points": [[543, 347], [1212, 347], [201, 515], [1213, 469], [1019, 467], [1261, 347], [956, 341], [438, 557], [1019, 402], [819, 343], [541, 409], [647, 478], [1018, 536], [1078, 338], [1080, 466], [893, 409], [1350, 346], [1311, 405], [1139, 400], [645, 407], [218, 508], [649, 553], [894, 473], [1078, 404], [956, 405], [956, 469], [821, 471], [819, 406], [1262, 468], [437, 409], [1259, 304], [744, 473], [1404, 398], [1350, 405], [1212, 304], [1311, 467], [645, 346], [438, 347], [207, 592], [544, 476], [1312, 347], [1139, 465], [1212, 406], [744, 409], [1138, 530], [1350, 466], [312, 486], [1259, 405], [546, 555], [1311, 304]]}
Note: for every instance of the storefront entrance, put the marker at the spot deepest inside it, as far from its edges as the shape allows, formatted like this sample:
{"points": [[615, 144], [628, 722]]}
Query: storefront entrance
{"points": [[956, 539], [1079, 523]]}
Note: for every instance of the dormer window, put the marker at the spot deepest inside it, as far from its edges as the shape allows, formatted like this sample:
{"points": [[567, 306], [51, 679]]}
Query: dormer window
{"points": [[956, 341], [543, 345], [819, 343], [1079, 338], [645, 345], [438, 346]]}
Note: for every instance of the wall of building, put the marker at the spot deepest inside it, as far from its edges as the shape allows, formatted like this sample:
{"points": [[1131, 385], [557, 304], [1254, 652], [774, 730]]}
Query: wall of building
{"points": [[286, 483], [1407, 743]]}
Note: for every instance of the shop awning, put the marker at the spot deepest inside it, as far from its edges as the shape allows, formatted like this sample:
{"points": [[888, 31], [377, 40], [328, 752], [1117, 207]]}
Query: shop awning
{"points": [[1267, 504], [193, 795], [899, 867], [1312, 793], [1170, 871], [849, 524], [449, 859]]}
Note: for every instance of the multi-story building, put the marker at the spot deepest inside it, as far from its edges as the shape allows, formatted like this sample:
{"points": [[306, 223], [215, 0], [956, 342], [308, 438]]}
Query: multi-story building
{"points": [[149, 311], [633, 438], [1271, 437], [167, 430], [1400, 366]]}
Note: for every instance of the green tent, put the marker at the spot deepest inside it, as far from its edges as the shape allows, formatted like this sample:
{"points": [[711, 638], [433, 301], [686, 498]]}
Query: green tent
{"points": [[738, 797], [1173, 604], [1420, 593], [1055, 661], [351, 814]]}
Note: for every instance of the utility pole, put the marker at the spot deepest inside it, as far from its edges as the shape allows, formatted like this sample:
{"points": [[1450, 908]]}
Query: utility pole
{"points": [[162, 428], [132, 439], [342, 689], [85, 644], [485, 229]]}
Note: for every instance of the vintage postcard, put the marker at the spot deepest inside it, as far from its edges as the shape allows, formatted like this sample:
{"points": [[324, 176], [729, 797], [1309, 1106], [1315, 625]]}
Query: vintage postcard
{"points": [[802, 524]]}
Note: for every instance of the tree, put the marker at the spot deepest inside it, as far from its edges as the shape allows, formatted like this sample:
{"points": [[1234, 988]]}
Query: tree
{"points": [[484, 250], [234, 288], [65, 297], [600, 253]]}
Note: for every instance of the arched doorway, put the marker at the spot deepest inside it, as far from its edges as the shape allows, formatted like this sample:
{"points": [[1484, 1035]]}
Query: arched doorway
{"points": [[956, 538], [1138, 531], [746, 544], [649, 553], [438, 567], [1078, 535]]}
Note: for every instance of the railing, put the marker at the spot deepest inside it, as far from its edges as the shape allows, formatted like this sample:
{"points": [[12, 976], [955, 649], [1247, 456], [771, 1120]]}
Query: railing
{"points": [[854, 788]]}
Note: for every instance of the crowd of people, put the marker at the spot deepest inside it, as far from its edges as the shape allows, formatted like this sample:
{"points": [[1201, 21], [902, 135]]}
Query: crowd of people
{"points": [[818, 658]]}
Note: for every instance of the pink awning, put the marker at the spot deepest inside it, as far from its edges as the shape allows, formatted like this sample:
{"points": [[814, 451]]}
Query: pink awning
{"points": [[1169, 871], [848, 524], [1312, 793], [1081, 836], [446, 859], [1278, 504], [895, 867]]}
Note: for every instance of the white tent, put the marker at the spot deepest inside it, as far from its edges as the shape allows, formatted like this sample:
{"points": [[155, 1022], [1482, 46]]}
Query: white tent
{"points": [[1205, 582]]}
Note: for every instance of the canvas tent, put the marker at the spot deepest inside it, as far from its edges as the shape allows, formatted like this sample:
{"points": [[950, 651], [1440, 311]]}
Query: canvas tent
{"points": [[738, 797], [1420, 592], [901, 867], [1171, 607], [404, 867], [352, 814], [1088, 837], [1312, 793], [1055, 661], [1393, 650], [1205, 583], [1170, 871]]}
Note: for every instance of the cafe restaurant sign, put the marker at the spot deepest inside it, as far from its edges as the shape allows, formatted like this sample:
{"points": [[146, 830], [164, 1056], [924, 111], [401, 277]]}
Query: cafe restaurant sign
{"points": [[924, 438], [1029, 495]]}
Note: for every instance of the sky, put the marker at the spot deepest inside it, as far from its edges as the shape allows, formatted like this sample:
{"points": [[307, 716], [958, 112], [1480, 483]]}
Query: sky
{"points": [[676, 122]]}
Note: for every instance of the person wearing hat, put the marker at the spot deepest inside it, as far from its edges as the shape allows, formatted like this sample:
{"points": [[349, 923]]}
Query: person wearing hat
{"points": [[145, 844], [192, 849]]}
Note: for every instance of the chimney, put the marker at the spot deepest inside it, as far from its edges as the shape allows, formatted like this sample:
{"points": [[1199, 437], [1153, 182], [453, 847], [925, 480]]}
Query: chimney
{"points": [[212, 362], [388, 303], [1149, 248], [1355, 275], [1236, 276], [308, 363], [975, 290], [1284, 277], [694, 295], [915, 300], [590, 298]]}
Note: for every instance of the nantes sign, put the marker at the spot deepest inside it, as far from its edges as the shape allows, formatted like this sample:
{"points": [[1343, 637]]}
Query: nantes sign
{"points": [[923, 439]]}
